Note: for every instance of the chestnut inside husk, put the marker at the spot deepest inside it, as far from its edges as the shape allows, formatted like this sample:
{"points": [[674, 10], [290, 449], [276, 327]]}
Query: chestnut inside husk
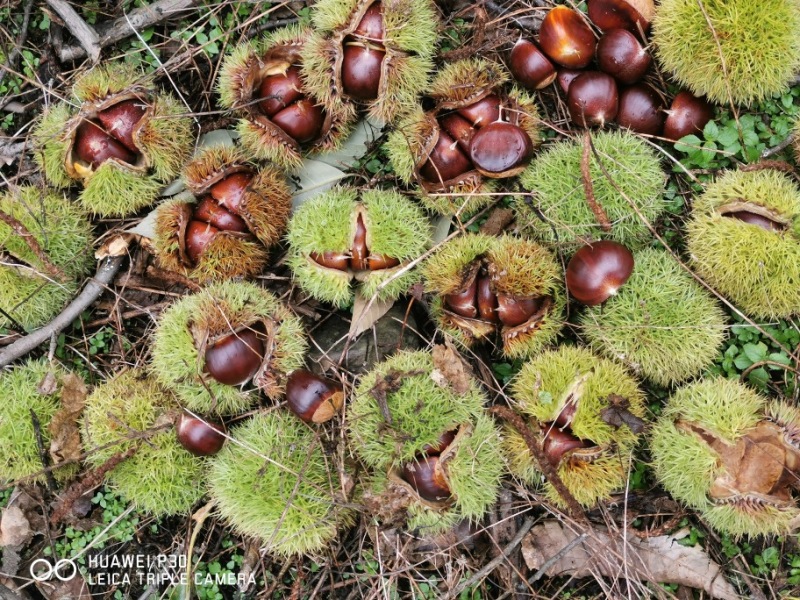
{"points": [[363, 56], [358, 257], [754, 214], [426, 474]]}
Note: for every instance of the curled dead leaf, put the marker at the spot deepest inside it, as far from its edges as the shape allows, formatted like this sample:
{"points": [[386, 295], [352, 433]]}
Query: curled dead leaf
{"points": [[449, 369], [15, 530]]}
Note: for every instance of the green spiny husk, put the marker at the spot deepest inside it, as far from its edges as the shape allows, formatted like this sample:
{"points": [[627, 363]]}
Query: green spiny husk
{"points": [[19, 451], [219, 308], [161, 477], [465, 81], [661, 323], [687, 466], [51, 143], [106, 80], [564, 217], [739, 51], [539, 390], [758, 270], [113, 190], [278, 484]]}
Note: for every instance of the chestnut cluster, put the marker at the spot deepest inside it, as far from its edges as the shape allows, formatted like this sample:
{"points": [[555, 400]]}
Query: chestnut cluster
{"points": [[426, 473], [110, 135], [363, 55], [286, 104], [597, 270], [313, 398], [201, 437], [358, 258], [615, 91]]}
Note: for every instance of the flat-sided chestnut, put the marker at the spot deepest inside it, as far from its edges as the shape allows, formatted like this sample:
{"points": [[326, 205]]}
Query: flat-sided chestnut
{"points": [[213, 213], [313, 398], [486, 300], [464, 303], [593, 99], [621, 55], [641, 109], [446, 161], [426, 477], [361, 70], [458, 128], [201, 437], [687, 114], [371, 25], [597, 271], [234, 359], [566, 38], [280, 90], [121, 119], [198, 236], [633, 15], [516, 311], [499, 147], [753, 218], [530, 66], [230, 190], [302, 121], [95, 146]]}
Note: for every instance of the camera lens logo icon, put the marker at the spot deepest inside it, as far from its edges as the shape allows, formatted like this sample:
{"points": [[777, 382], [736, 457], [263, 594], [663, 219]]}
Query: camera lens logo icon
{"points": [[64, 570]]}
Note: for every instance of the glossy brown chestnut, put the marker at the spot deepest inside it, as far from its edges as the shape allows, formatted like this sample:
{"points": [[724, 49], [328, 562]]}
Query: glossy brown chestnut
{"points": [[95, 146], [376, 262], [313, 398], [641, 109], [230, 191], [566, 38], [281, 90], [198, 236], [201, 437], [499, 147], [234, 359], [516, 311], [209, 211], [459, 129], [441, 444], [361, 70], [446, 161], [359, 251], [331, 260], [530, 66], [592, 99], [621, 55], [557, 443], [120, 121], [371, 25], [688, 114], [756, 219], [486, 300], [426, 477], [482, 112], [464, 303], [597, 271], [566, 77], [302, 121], [633, 15]]}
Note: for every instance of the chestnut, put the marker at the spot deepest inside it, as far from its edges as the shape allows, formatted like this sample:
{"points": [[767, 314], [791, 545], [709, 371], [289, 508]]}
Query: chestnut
{"points": [[120, 121], [530, 66], [565, 77], [358, 250], [641, 109], [371, 25], [482, 112], [557, 443], [499, 147], [516, 311], [486, 300], [592, 99], [301, 121], [633, 15], [281, 90], [426, 477], [234, 359], [198, 236], [459, 129], [230, 190], [331, 260], [566, 38], [621, 55], [441, 444], [756, 219], [209, 211], [446, 161], [464, 303], [376, 262], [597, 271], [361, 70], [687, 114], [313, 398], [200, 436], [95, 146]]}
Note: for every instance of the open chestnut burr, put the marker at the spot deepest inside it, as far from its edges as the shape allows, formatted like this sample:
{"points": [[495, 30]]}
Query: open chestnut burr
{"points": [[313, 398], [597, 270], [358, 257]]}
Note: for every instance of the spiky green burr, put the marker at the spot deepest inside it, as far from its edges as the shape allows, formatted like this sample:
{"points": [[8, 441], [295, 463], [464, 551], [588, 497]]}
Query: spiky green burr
{"points": [[277, 482], [564, 217], [131, 410], [115, 188], [661, 323], [757, 268], [729, 453], [29, 292], [422, 407], [189, 326], [518, 268], [739, 51], [23, 394], [395, 227], [566, 392]]}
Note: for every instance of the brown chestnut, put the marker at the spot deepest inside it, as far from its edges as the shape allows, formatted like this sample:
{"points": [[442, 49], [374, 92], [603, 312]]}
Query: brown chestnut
{"points": [[302, 121], [565, 78], [313, 398], [557, 443], [427, 478], [446, 161], [201, 437], [377, 262], [688, 114], [371, 25], [234, 359], [120, 121], [361, 70], [441, 444], [281, 90], [756, 219], [331, 260], [516, 311], [592, 99], [621, 55], [482, 112], [499, 147], [530, 66], [459, 129], [566, 38], [633, 15], [95, 146], [230, 190], [464, 303], [359, 252], [486, 300], [198, 236], [209, 211], [641, 109], [597, 271]]}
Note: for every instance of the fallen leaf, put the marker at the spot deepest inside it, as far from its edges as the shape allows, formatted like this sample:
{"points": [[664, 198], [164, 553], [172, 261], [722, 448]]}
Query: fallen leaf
{"points": [[15, 530], [65, 438], [314, 178], [353, 148], [499, 219], [116, 245], [658, 559], [48, 385], [365, 314], [74, 588], [449, 369]]}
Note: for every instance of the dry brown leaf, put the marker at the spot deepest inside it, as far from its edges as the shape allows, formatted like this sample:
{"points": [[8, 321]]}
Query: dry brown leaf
{"points": [[65, 438], [365, 314], [658, 559], [74, 588], [48, 385], [15, 530], [116, 245], [449, 369]]}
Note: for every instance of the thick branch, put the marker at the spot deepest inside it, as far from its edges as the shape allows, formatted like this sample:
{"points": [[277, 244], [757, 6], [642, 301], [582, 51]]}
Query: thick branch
{"points": [[86, 36], [90, 293]]}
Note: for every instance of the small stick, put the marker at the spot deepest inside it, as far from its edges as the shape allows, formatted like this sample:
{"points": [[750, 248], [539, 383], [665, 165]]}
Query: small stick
{"points": [[86, 36], [34, 246], [588, 189], [37, 430]]}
